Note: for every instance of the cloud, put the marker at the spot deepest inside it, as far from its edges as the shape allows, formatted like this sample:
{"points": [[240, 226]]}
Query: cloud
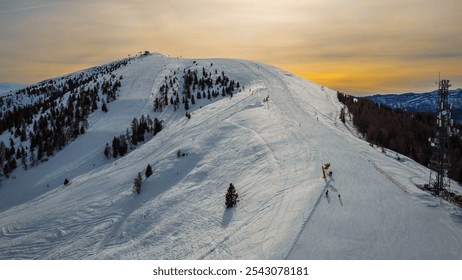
{"points": [[12, 7], [338, 42]]}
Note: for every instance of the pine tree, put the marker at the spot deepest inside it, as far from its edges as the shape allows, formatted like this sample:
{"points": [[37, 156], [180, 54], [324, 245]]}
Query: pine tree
{"points": [[115, 146], [137, 183], [94, 106], [342, 114], [231, 196], [157, 126], [2, 152], [104, 107], [23, 158], [186, 104], [134, 135], [148, 172], [32, 159], [156, 105], [23, 133], [18, 154], [6, 170], [123, 148], [107, 151], [13, 164]]}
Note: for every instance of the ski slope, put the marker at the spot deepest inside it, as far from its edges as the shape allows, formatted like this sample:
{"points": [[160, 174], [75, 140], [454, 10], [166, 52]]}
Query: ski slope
{"points": [[271, 151]]}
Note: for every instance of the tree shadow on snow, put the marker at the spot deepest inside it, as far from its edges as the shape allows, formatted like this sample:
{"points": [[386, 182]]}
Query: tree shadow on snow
{"points": [[227, 216]]}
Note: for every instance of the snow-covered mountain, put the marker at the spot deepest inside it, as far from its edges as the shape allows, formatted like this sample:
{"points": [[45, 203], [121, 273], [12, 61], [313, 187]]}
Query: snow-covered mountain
{"points": [[269, 137], [421, 102]]}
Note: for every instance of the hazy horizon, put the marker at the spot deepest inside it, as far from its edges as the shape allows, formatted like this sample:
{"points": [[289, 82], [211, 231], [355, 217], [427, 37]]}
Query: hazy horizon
{"points": [[358, 47]]}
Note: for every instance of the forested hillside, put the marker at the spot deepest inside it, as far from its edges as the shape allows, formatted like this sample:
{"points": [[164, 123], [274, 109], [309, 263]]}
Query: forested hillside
{"points": [[402, 131], [42, 119]]}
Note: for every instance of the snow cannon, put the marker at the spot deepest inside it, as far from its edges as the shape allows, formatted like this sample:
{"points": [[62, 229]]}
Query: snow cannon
{"points": [[325, 167]]}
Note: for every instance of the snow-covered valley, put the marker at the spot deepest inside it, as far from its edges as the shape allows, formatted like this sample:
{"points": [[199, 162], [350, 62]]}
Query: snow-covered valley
{"points": [[271, 151]]}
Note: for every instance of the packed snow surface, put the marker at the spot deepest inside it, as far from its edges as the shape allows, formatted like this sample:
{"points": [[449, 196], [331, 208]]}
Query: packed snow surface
{"points": [[271, 151]]}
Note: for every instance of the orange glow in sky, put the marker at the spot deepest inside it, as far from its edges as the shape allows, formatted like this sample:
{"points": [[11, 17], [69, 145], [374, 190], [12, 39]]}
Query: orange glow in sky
{"points": [[359, 47]]}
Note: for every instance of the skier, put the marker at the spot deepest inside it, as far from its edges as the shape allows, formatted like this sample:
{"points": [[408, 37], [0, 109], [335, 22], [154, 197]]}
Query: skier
{"points": [[327, 193]]}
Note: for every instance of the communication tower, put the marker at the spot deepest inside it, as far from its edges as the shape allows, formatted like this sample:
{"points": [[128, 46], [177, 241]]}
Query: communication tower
{"points": [[439, 181]]}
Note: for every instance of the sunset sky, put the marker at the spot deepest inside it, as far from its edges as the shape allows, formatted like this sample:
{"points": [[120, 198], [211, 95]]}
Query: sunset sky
{"points": [[359, 46]]}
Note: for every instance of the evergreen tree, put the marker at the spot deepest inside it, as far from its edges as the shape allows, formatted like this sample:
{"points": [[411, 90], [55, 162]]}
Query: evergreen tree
{"points": [[135, 126], [94, 106], [157, 126], [150, 123], [156, 105], [137, 183], [6, 170], [32, 159], [231, 196], [115, 147], [23, 133], [148, 172], [104, 107], [342, 114], [107, 151], [23, 159], [186, 104], [18, 154], [123, 148], [13, 164]]}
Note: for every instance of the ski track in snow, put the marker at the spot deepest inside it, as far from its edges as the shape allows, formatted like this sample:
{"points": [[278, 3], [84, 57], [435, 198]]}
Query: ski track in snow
{"points": [[271, 151]]}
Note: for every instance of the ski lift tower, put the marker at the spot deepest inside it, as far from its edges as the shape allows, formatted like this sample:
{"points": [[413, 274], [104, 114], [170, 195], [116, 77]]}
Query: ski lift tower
{"points": [[439, 165]]}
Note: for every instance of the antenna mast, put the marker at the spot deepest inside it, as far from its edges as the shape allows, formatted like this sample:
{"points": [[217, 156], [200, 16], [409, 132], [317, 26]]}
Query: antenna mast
{"points": [[439, 165]]}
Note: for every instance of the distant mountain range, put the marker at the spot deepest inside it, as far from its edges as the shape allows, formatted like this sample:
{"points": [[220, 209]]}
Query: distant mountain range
{"points": [[421, 102], [7, 87]]}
